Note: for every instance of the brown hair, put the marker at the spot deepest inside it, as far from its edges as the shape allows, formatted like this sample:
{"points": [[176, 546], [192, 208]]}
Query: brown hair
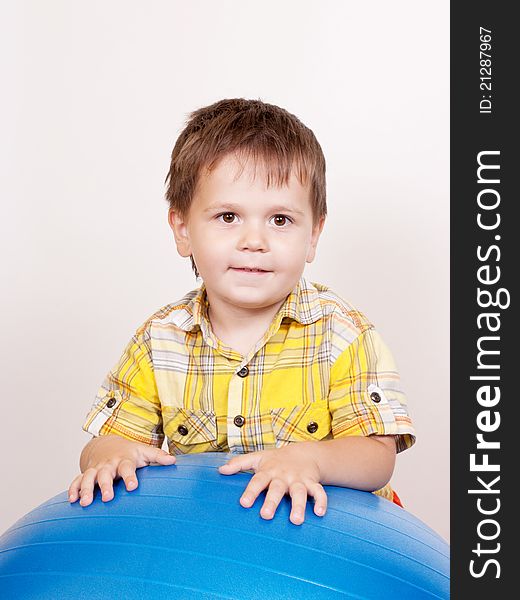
{"points": [[252, 129]]}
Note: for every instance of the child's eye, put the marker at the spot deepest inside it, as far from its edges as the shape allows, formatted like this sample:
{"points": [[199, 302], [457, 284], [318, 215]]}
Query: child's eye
{"points": [[227, 217], [281, 220]]}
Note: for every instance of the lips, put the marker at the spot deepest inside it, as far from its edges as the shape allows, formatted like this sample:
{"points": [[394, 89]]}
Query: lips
{"points": [[250, 269]]}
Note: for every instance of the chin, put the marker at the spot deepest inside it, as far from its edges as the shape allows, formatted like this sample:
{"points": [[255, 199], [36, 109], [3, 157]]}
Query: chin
{"points": [[250, 298]]}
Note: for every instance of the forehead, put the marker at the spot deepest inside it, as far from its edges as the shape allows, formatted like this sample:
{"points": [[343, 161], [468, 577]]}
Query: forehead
{"points": [[236, 174]]}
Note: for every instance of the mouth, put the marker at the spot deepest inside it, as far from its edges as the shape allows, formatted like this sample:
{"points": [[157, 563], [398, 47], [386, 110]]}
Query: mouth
{"points": [[249, 270]]}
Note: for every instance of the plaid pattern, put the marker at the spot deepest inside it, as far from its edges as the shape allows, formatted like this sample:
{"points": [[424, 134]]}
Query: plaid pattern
{"points": [[321, 371]]}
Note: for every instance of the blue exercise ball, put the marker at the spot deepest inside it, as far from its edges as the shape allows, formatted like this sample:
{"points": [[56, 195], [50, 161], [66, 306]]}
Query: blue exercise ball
{"points": [[183, 534]]}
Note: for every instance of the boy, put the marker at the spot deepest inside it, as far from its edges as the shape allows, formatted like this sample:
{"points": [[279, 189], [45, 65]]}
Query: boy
{"points": [[257, 357]]}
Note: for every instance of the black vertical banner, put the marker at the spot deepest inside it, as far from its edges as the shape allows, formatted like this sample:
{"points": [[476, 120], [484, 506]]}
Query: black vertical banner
{"points": [[485, 266]]}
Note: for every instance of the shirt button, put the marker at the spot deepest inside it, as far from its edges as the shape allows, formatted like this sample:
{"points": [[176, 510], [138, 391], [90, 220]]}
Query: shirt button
{"points": [[375, 397], [239, 420], [182, 429], [244, 372], [312, 427], [111, 402]]}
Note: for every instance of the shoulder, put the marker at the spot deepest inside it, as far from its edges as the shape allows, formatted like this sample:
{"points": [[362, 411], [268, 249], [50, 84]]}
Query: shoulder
{"points": [[178, 314], [349, 330], [339, 311]]}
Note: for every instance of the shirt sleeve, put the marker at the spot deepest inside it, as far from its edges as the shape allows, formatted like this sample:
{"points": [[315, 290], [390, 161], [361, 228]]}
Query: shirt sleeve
{"points": [[127, 403], [365, 396]]}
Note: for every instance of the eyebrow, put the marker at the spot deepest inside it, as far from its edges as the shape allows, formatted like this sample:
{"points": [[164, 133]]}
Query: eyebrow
{"points": [[231, 206]]}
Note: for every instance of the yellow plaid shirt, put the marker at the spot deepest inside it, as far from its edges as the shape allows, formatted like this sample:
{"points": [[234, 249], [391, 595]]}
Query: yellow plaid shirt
{"points": [[321, 371]]}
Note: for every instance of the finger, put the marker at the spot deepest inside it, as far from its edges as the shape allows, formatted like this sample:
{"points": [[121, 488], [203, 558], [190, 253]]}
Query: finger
{"points": [[157, 456], [87, 487], [275, 493], [243, 462], [126, 470], [105, 480], [74, 488], [298, 493], [258, 483], [320, 498]]}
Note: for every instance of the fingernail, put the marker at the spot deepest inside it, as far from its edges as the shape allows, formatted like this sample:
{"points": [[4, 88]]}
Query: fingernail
{"points": [[320, 511]]}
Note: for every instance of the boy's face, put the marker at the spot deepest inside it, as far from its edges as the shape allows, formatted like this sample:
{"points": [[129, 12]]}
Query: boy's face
{"points": [[236, 224]]}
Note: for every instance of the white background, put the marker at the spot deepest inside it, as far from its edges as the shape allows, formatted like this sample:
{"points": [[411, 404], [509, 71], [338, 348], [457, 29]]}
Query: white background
{"points": [[93, 97]]}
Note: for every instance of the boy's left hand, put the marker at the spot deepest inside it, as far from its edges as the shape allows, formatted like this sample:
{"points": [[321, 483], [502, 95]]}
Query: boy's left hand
{"points": [[290, 469]]}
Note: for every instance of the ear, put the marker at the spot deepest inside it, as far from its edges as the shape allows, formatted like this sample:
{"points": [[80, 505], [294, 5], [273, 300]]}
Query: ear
{"points": [[316, 232], [179, 225]]}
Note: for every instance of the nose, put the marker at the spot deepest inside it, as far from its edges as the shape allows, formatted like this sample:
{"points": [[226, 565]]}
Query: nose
{"points": [[253, 236]]}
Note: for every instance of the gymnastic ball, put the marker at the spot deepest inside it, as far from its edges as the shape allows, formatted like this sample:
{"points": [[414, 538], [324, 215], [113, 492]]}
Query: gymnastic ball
{"points": [[183, 534]]}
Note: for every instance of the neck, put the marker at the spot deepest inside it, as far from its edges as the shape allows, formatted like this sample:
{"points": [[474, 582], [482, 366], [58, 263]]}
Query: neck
{"points": [[229, 320]]}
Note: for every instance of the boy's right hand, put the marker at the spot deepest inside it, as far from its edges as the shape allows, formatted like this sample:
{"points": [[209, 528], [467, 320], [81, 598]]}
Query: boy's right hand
{"points": [[111, 457]]}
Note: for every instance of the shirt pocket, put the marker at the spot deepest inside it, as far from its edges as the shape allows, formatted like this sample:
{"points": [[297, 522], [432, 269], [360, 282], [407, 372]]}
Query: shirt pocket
{"points": [[302, 423], [188, 427]]}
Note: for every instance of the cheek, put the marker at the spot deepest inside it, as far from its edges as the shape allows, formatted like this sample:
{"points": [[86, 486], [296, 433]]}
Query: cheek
{"points": [[294, 247], [212, 249]]}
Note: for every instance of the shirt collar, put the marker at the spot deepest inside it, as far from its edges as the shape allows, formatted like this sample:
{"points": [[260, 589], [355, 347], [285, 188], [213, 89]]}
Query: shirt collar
{"points": [[301, 305]]}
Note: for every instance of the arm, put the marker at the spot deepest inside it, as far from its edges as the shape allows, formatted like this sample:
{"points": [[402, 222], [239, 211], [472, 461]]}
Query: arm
{"points": [[300, 469], [369, 423], [126, 423], [362, 463]]}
